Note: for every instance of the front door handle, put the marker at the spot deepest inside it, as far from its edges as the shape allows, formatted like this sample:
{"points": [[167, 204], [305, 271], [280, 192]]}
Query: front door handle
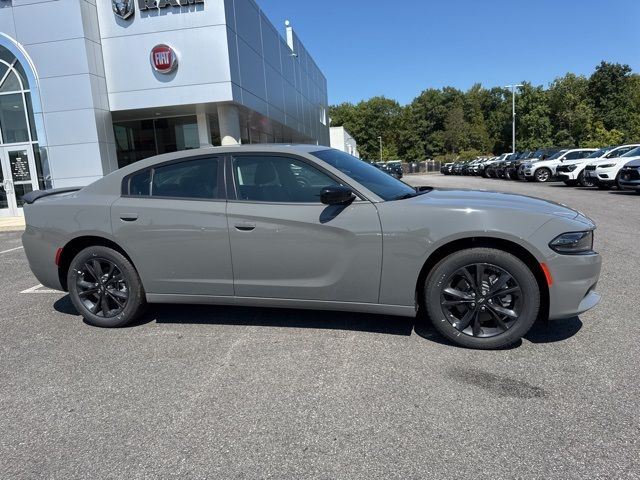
{"points": [[245, 226], [129, 217]]}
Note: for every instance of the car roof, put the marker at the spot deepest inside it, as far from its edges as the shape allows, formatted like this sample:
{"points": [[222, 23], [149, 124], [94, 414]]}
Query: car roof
{"points": [[228, 149]]}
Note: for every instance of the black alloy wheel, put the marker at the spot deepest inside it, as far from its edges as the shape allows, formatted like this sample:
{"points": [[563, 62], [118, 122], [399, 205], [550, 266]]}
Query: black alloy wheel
{"points": [[102, 287], [584, 181], [105, 287], [481, 300]]}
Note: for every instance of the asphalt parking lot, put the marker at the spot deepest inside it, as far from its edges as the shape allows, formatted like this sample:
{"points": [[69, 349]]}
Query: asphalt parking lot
{"points": [[212, 392]]}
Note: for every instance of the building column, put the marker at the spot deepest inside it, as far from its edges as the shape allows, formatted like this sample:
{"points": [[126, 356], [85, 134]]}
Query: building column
{"points": [[204, 129], [229, 120]]}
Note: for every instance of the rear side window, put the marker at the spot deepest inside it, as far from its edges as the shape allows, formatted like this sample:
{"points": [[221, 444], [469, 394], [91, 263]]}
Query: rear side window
{"points": [[140, 184], [196, 179]]}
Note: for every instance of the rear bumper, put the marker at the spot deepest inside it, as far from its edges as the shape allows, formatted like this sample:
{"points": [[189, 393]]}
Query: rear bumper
{"points": [[575, 278], [41, 256]]}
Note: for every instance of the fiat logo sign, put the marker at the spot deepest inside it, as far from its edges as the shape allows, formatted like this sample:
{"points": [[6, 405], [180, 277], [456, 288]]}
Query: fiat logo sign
{"points": [[164, 59]]}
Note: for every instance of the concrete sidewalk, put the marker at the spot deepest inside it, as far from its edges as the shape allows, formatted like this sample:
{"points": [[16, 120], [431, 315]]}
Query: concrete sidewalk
{"points": [[11, 224]]}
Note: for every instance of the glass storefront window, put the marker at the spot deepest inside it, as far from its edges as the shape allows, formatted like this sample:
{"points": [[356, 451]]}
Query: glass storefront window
{"points": [[175, 134], [140, 139], [13, 121]]}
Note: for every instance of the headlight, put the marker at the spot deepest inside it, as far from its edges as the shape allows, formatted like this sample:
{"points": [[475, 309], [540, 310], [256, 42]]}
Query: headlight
{"points": [[573, 243], [607, 165], [571, 168]]}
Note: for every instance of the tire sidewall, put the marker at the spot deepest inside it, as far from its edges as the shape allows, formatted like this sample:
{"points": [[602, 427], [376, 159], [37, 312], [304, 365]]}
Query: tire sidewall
{"points": [[514, 266], [136, 293]]}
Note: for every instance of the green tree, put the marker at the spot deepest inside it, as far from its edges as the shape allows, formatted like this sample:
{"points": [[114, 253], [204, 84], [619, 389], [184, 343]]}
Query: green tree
{"points": [[609, 90]]}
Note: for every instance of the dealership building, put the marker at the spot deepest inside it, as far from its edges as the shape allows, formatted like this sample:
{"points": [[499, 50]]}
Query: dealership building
{"points": [[88, 86]]}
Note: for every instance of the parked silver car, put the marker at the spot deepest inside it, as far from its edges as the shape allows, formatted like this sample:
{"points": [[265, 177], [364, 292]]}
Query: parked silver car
{"points": [[310, 227]]}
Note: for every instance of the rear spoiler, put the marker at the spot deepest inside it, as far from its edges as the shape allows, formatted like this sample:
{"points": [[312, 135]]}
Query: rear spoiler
{"points": [[37, 194]]}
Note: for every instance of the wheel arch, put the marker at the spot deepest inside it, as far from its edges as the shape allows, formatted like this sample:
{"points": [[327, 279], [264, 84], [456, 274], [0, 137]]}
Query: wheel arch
{"points": [[508, 246], [76, 245]]}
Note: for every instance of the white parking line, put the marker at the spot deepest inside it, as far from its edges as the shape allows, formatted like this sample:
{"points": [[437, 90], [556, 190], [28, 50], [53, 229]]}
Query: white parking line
{"points": [[37, 288], [11, 250]]}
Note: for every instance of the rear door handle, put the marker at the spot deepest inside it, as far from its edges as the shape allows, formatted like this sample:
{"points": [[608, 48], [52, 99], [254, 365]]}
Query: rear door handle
{"points": [[245, 226], [129, 217]]}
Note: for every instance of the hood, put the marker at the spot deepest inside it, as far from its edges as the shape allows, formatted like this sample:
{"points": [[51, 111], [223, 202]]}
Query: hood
{"points": [[635, 163], [615, 160], [482, 200]]}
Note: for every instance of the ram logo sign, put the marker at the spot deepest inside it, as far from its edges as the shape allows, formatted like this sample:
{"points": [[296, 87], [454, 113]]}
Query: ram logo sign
{"points": [[122, 8], [153, 4]]}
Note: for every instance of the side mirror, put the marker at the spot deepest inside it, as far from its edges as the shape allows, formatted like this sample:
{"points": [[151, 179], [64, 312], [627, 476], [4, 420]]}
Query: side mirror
{"points": [[337, 195]]}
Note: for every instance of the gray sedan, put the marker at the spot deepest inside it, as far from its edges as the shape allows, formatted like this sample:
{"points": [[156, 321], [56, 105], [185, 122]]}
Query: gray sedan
{"points": [[310, 227]]}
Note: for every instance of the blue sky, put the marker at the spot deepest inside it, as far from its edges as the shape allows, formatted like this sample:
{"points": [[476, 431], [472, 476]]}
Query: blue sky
{"points": [[399, 48]]}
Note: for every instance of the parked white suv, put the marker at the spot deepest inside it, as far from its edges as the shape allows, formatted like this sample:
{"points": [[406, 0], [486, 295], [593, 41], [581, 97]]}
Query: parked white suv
{"points": [[605, 173], [544, 170], [575, 173]]}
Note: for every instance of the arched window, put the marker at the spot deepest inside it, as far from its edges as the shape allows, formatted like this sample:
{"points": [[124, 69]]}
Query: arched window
{"points": [[16, 112]]}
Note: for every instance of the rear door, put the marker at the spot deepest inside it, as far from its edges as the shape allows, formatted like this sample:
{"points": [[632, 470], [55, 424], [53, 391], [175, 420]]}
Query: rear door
{"points": [[171, 220], [286, 244]]}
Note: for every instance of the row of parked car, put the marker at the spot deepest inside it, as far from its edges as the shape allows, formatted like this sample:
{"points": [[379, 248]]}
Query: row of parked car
{"points": [[615, 166]]}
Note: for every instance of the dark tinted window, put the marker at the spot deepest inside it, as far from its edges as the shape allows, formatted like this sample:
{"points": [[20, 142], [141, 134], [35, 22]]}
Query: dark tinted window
{"points": [[189, 179], [278, 179], [140, 183], [380, 183], [575, 155]]}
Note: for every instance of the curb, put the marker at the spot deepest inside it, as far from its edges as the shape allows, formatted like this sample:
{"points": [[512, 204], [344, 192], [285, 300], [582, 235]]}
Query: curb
{"points": [[17, 228]]}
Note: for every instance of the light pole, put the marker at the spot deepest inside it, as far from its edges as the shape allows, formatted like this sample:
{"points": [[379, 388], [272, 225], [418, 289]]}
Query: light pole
{"points": [[513, 104], [380, 139]]}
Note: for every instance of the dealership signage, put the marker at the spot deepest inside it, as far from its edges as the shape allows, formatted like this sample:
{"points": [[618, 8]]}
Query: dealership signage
{"points": [[164, 59], [125, 8]]}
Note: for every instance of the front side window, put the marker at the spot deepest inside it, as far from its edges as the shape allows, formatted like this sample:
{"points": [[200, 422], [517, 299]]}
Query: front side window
{"points": [[575, 155], [278, 179], [619, 152], [196, 179], [383, 185]]}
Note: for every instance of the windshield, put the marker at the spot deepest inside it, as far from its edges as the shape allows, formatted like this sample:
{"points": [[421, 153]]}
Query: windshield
{"points": [[633, 153], [599, 153], [557, 155], [380, 183]]}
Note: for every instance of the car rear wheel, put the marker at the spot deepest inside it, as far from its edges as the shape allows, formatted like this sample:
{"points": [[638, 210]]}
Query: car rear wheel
{"points": [[584, 181], [105, 287], [482, 298], [542, 175]]}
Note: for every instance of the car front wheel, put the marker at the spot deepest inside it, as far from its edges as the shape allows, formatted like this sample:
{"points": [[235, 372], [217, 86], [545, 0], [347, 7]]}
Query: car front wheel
{"points": [[482, 298], [105, 287], [542, 175], [584, 181]]}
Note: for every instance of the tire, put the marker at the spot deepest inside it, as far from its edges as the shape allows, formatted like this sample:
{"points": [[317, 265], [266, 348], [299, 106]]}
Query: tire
{"points": [[584, 181], [115, 280], [484, 331], [571, 183], [542, 175]]}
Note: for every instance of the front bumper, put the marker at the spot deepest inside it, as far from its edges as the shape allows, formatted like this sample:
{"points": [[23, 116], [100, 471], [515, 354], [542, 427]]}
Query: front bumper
{"points": [[574, 282], [568, 176], [630, 184]]}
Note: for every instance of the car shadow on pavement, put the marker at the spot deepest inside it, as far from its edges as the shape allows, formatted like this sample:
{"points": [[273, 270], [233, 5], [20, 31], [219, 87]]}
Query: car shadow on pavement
{"points": [[541, 332], [263, 317], [623, 192]]}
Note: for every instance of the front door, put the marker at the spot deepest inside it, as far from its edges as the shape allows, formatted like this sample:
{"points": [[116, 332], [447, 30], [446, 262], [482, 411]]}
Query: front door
{"points": [[286, 244], [17, 178]]}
